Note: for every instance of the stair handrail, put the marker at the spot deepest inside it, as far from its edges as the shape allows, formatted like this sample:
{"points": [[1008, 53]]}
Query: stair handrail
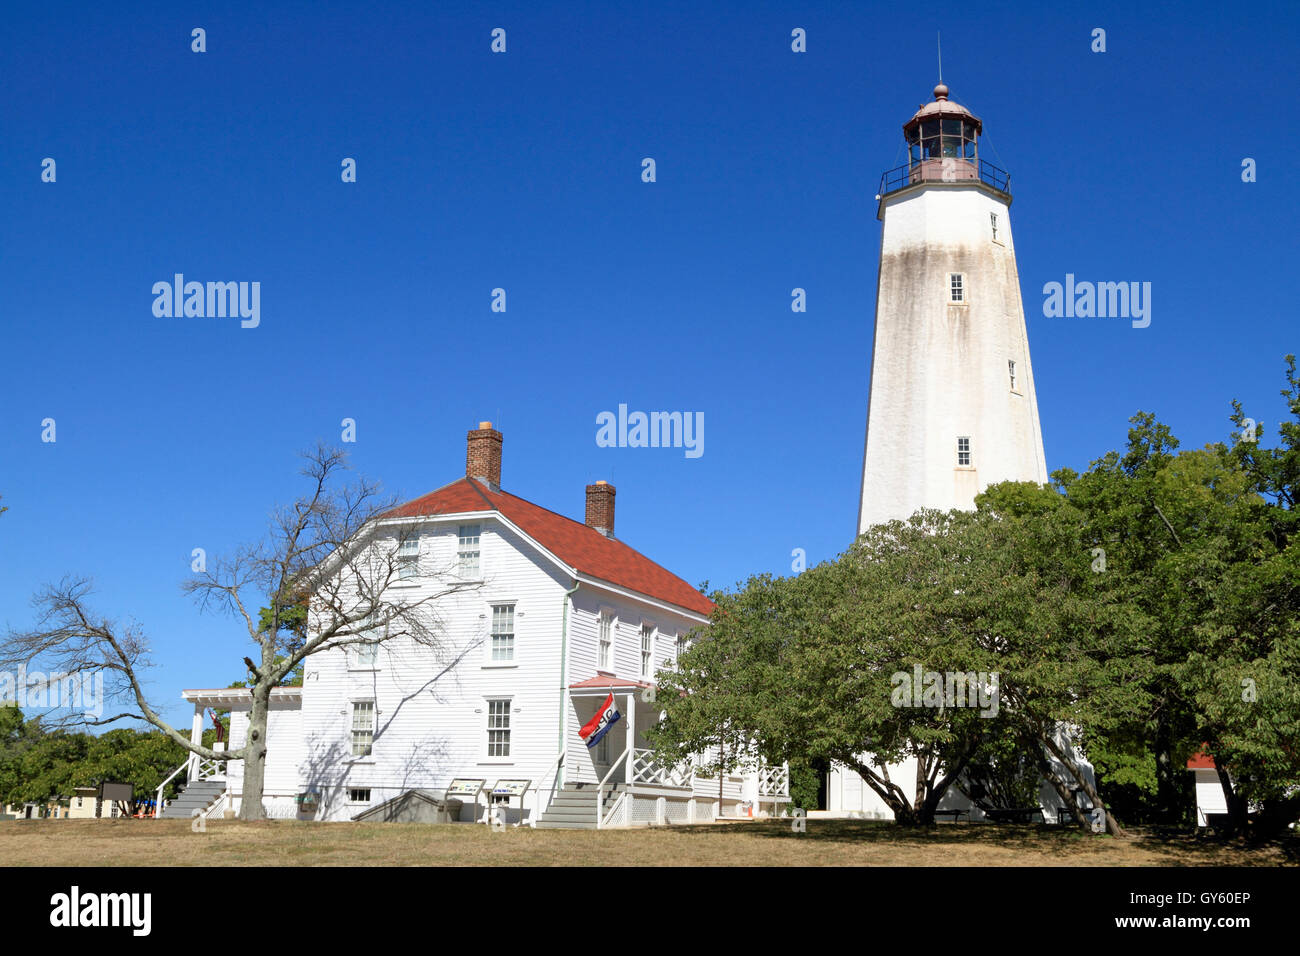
{"points": [[600, 789], [555, 777], [617, 805], [217, 806], [157, 805]]}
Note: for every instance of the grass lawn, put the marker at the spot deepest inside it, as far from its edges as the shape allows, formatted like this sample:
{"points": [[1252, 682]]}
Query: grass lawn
{"points": [[766, 843]]}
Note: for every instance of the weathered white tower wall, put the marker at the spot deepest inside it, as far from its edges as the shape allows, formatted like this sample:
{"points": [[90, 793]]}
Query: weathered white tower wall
{"points": [[939, 368]]}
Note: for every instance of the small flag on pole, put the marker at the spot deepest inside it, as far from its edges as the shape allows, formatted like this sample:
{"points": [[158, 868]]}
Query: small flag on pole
{"points": [[594, 729]]}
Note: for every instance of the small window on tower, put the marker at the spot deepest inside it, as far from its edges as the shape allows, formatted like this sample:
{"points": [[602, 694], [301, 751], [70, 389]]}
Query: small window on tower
{"points": [[993, 219], [956, 287], [963, 452], [1011, 373]]}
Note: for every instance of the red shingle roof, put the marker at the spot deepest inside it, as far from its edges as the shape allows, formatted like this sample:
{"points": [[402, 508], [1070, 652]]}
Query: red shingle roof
{"points": [[582, 548]]}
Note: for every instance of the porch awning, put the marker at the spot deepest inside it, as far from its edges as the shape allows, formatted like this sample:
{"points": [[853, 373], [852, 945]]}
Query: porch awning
{"points": [[242, 697], [599, 686]]}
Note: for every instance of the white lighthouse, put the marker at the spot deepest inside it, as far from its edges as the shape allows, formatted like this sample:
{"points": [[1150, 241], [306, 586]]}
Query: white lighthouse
{"points": [[952, 406]]}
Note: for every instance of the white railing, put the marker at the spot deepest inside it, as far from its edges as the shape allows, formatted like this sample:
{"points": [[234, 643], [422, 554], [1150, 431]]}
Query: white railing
{"points": [[616, 809], [601, 816], [157, 805], [683, 775], [217, 810], [555, 778], [196, 768], [774, 781], [646, 768], [210, 769]]}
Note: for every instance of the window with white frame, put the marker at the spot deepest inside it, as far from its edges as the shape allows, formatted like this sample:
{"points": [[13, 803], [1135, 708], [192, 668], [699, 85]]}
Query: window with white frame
{"points": [[956, 287], [358, 795], [467, 551], [963, 451], [503, 633], [408, 557], [993, 219], [647, 649], [605, 649], [682, 645], [365, 656], [363, 727], [498, 728], [1011, 373]]}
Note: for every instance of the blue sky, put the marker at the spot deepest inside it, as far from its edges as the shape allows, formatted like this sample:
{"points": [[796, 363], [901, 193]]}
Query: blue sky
{"points": [[522, 171]]}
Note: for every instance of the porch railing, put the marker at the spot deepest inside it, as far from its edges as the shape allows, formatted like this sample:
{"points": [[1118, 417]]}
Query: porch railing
{"points": [[774, 781], [646, 768], [209, 769]]}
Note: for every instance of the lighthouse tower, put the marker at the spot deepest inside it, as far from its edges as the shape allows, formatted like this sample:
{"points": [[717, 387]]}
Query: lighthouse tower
{"points": [[952, 406]]}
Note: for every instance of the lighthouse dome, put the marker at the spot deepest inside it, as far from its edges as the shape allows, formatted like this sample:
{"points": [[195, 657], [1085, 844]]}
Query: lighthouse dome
{"points": [[942, 107]]}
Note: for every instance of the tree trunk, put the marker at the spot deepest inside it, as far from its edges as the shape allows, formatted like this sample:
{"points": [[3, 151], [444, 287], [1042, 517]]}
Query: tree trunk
{"points": [[1236, 806], [921, 802], [1167, 795], [1112, 825], [886, 789], [250, 805], [1062, 791]]}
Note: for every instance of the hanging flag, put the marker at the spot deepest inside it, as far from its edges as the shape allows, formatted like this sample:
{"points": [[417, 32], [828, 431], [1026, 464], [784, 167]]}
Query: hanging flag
{"points": [[594, 729]]}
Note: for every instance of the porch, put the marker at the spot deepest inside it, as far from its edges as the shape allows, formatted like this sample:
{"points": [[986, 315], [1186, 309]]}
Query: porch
{"points": [[620, 782], [206, 788]]}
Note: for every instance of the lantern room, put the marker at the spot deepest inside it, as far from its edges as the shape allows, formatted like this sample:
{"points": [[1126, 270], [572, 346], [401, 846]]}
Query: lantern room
{"points": [[944, 130], [943, 146]]}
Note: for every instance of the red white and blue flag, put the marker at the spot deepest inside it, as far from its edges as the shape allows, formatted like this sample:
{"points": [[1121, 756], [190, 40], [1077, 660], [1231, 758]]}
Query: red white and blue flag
{"points": [[594, 729]]}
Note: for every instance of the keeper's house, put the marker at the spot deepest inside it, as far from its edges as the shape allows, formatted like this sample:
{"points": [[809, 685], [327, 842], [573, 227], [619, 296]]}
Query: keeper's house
{"points": [[565, 615]]}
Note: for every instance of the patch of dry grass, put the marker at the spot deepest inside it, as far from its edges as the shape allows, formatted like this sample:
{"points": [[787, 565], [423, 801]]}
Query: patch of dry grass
{"points": [[767, 843]]}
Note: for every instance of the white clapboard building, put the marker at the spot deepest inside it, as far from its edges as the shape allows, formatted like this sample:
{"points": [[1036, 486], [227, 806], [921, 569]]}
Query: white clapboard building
{"points": [[564, 616]]}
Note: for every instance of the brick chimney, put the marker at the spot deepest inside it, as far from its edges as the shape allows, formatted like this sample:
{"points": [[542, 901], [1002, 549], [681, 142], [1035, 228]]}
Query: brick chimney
{"points": [[600, 508], [483, 455]]}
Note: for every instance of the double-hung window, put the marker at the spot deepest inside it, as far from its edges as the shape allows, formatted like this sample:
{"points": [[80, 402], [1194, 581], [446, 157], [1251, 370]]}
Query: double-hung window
{"points": [[408, 558], [605, 658], [503, 633], [363, 727], [365, 657], [963, 452], [647, 650], [467, 551], [956, 287], [498, 728]]}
